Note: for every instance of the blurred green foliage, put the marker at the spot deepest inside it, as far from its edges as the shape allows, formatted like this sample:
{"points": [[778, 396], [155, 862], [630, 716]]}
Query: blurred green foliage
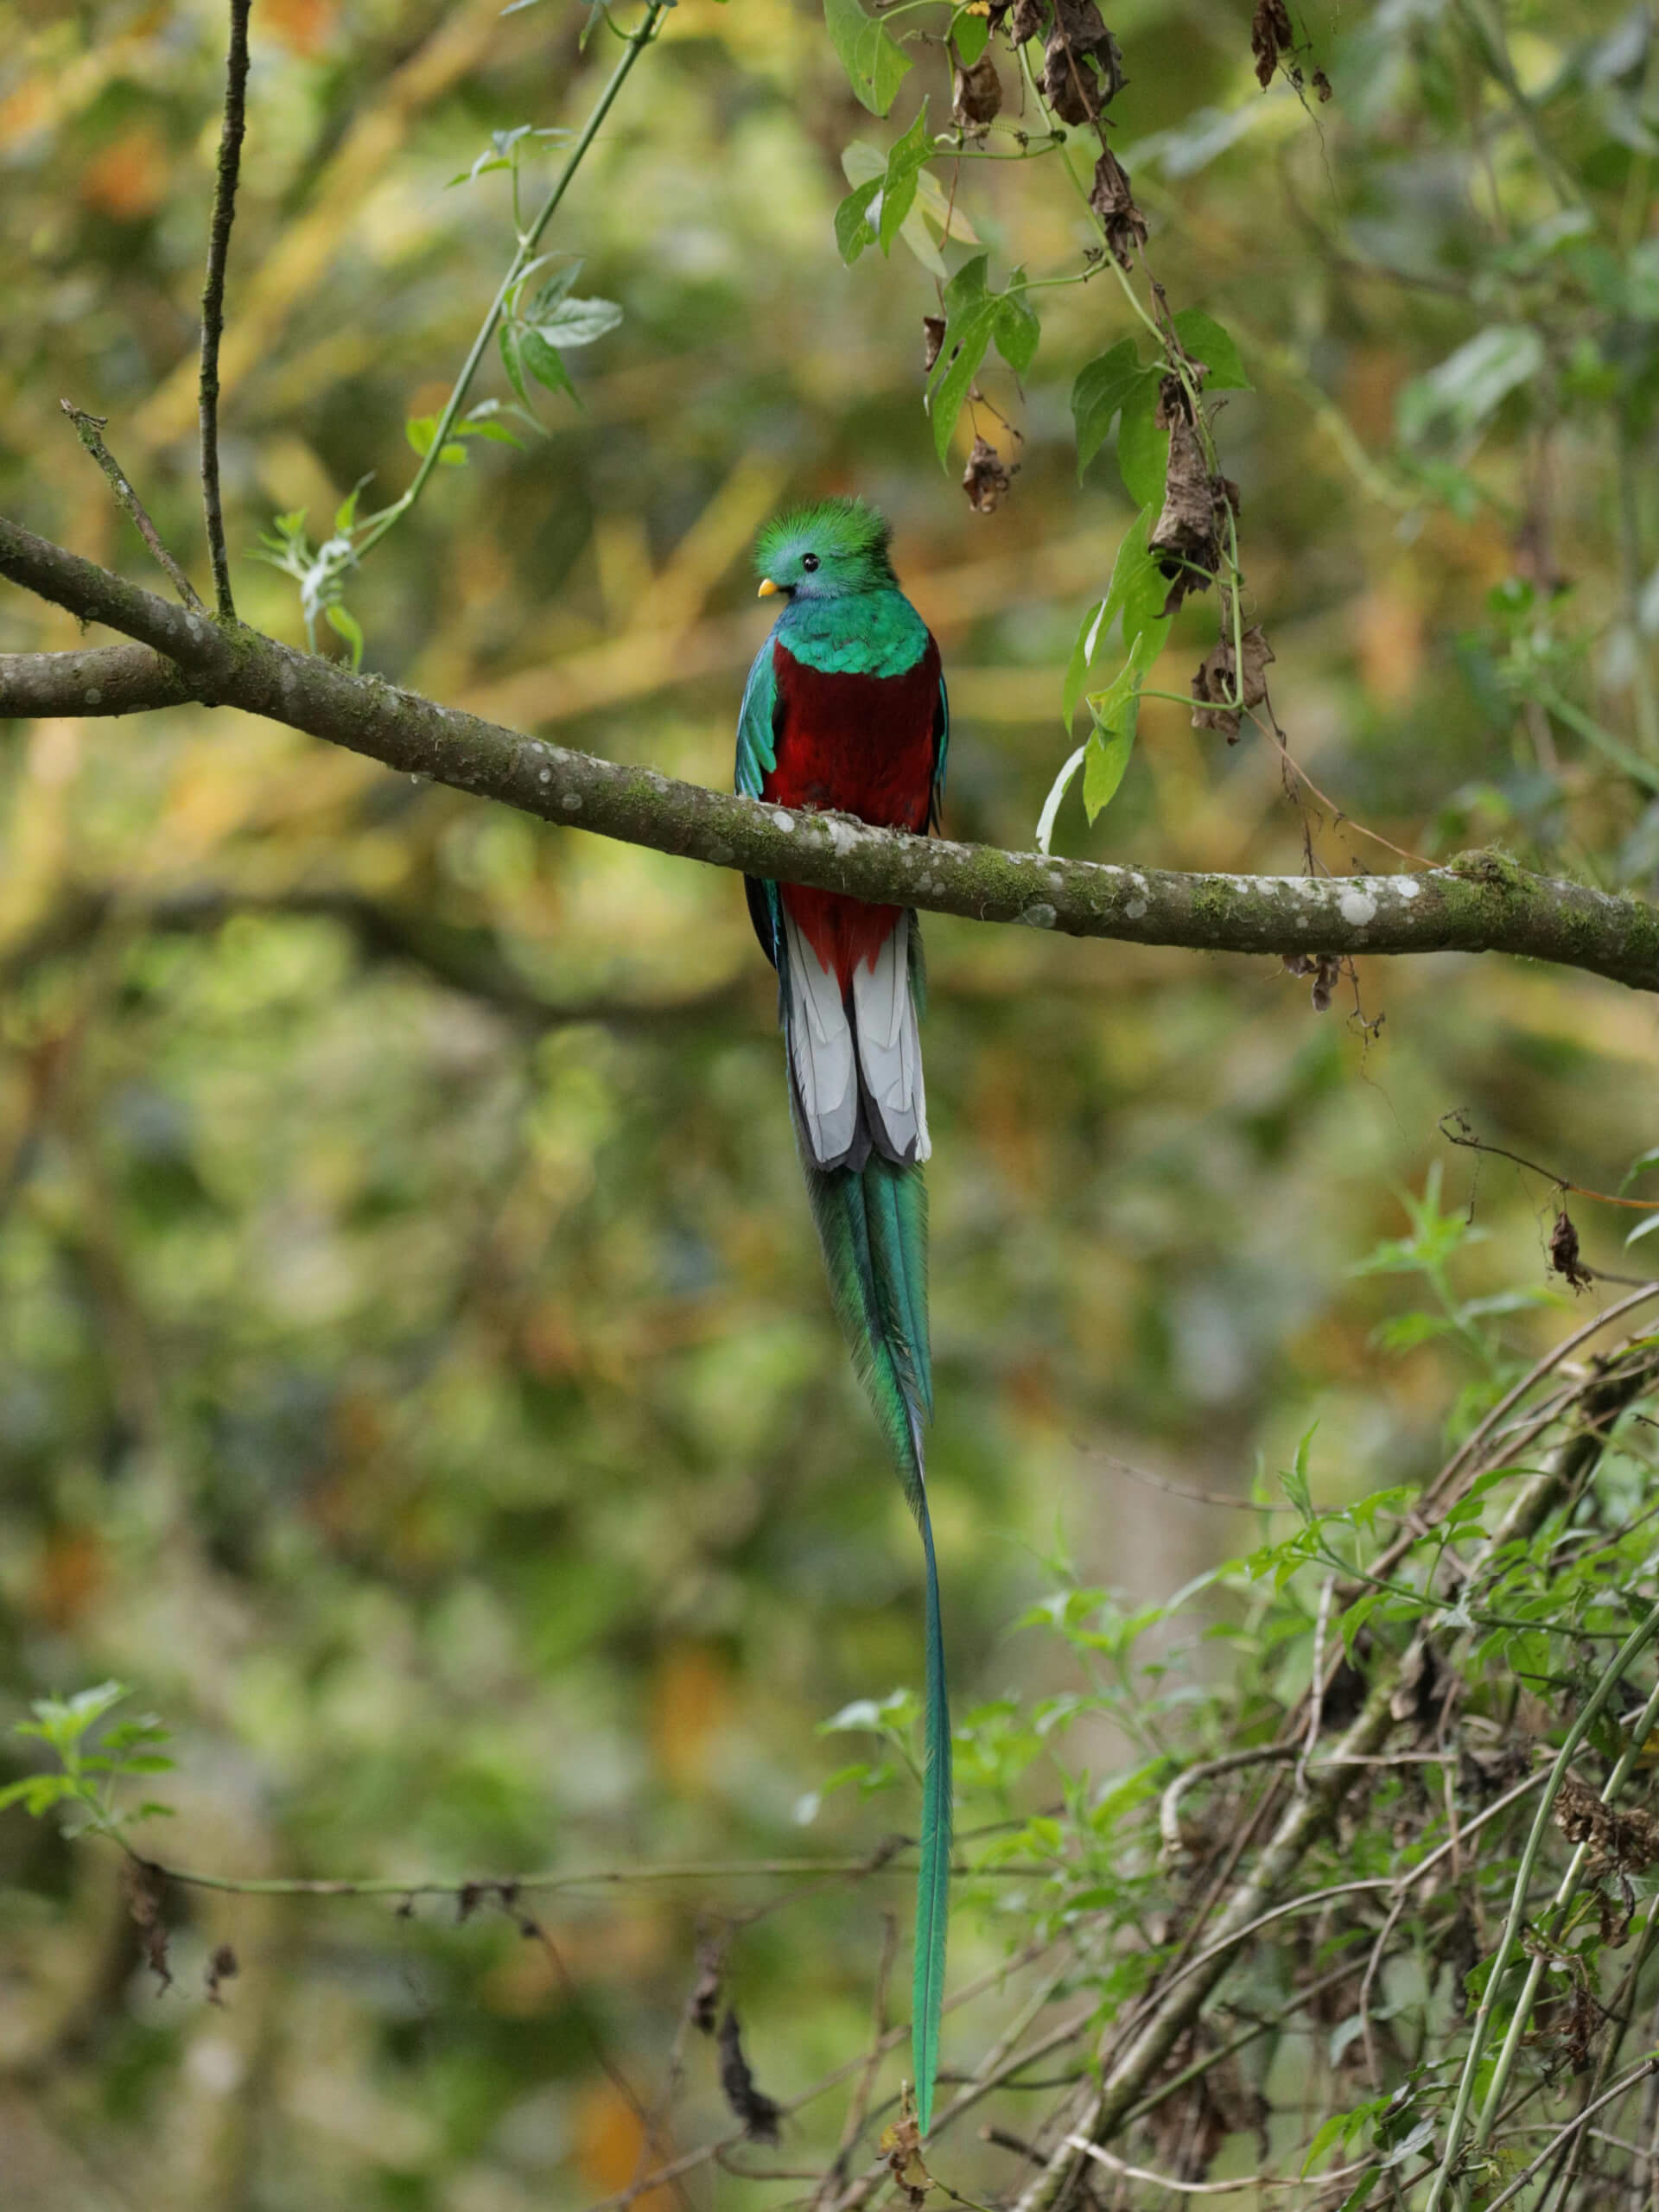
{"points": [[415, 1377]]}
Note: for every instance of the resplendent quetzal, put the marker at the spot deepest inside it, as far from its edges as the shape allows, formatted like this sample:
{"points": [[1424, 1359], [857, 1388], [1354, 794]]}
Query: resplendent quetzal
{"points": [[845, 707]]}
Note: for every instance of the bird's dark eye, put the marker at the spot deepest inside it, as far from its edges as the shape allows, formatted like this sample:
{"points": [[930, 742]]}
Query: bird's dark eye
{"points": [[809, 562]]}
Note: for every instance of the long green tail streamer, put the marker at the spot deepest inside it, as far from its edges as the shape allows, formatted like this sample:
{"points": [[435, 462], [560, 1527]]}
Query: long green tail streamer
{"points": [[933, 1879], [872, 1224]]}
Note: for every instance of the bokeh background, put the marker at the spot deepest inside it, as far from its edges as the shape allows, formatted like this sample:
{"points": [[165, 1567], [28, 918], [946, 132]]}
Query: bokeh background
{"points": [[415, 1377]]}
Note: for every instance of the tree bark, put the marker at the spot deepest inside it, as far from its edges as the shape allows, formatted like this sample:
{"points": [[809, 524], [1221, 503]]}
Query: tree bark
{"points": [[1480, 902]]}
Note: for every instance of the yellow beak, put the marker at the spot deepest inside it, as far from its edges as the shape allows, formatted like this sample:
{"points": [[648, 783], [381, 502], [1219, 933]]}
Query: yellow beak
{"points": [[768, 588]]}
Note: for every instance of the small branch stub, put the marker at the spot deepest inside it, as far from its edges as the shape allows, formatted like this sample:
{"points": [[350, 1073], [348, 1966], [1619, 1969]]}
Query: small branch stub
{"points": [[89, 430]]}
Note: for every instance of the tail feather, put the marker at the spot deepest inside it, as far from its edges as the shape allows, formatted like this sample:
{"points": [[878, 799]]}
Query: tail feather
{"points": [[933, 1875], [872, 1223]]}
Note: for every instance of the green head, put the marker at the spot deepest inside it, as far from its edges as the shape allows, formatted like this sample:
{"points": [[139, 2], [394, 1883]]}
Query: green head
{"points": [[825, 551]]}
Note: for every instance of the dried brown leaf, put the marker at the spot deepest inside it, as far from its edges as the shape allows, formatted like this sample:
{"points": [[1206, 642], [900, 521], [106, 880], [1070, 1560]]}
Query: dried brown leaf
{"points": [[1620, 1843], [1564, 1252], [976, 93], [1271, 36], [758, 2112], [1216, 680], [986, 479], [1114, 202], [1186, 541], [1082, 69], [142, 1884], [902, 2146], [223, 1966]]}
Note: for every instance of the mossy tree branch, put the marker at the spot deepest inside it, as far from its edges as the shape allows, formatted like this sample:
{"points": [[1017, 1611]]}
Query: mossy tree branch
{"points": [[1481, 902]]}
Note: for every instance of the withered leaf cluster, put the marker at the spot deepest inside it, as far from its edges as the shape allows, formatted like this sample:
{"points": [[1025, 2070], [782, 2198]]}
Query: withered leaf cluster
{"points": [[1186, 542], [1113, 201], [976, 94], [223, 1966], [1222, 678], [1564, 1252], [1271, 36], [758, 2113], [987, 477], [1620, 1843], [1083, 68], [1323, 970], [902, 2146], [142, 1884]]}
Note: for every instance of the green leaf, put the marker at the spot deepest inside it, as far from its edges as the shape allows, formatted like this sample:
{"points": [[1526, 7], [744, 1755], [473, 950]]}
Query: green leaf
{"points": [[346, 626], [38, 1793], [876, 64], [148, 1730], [1297, 1485], [854, 229], [1057, 792], [543, 363], [898, 182], [511, 337], [933, 212], [1203, 337], [1100, 388], [1125, 593], [1116, 711], [480, 421], [482, 167], [1361, 2190], [1077, 669], [971, 318], [1018, 329], [577, 322], [969, 287], [943, 212], [1639, 1166], [551, 290], [1105, 761], [1335, 2129], [421, 430], [970, 34], [1143, 447], [346, 513]]}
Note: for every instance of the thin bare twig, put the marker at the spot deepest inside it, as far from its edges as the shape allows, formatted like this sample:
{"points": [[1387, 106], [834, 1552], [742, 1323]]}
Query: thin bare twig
{"points": [[858, 2109], [1464, 1137], [1169, 1805], [873, 1862], [651, 2125], [1203, 2188], [213, 296], [88, 428], [1187, 1490]]}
